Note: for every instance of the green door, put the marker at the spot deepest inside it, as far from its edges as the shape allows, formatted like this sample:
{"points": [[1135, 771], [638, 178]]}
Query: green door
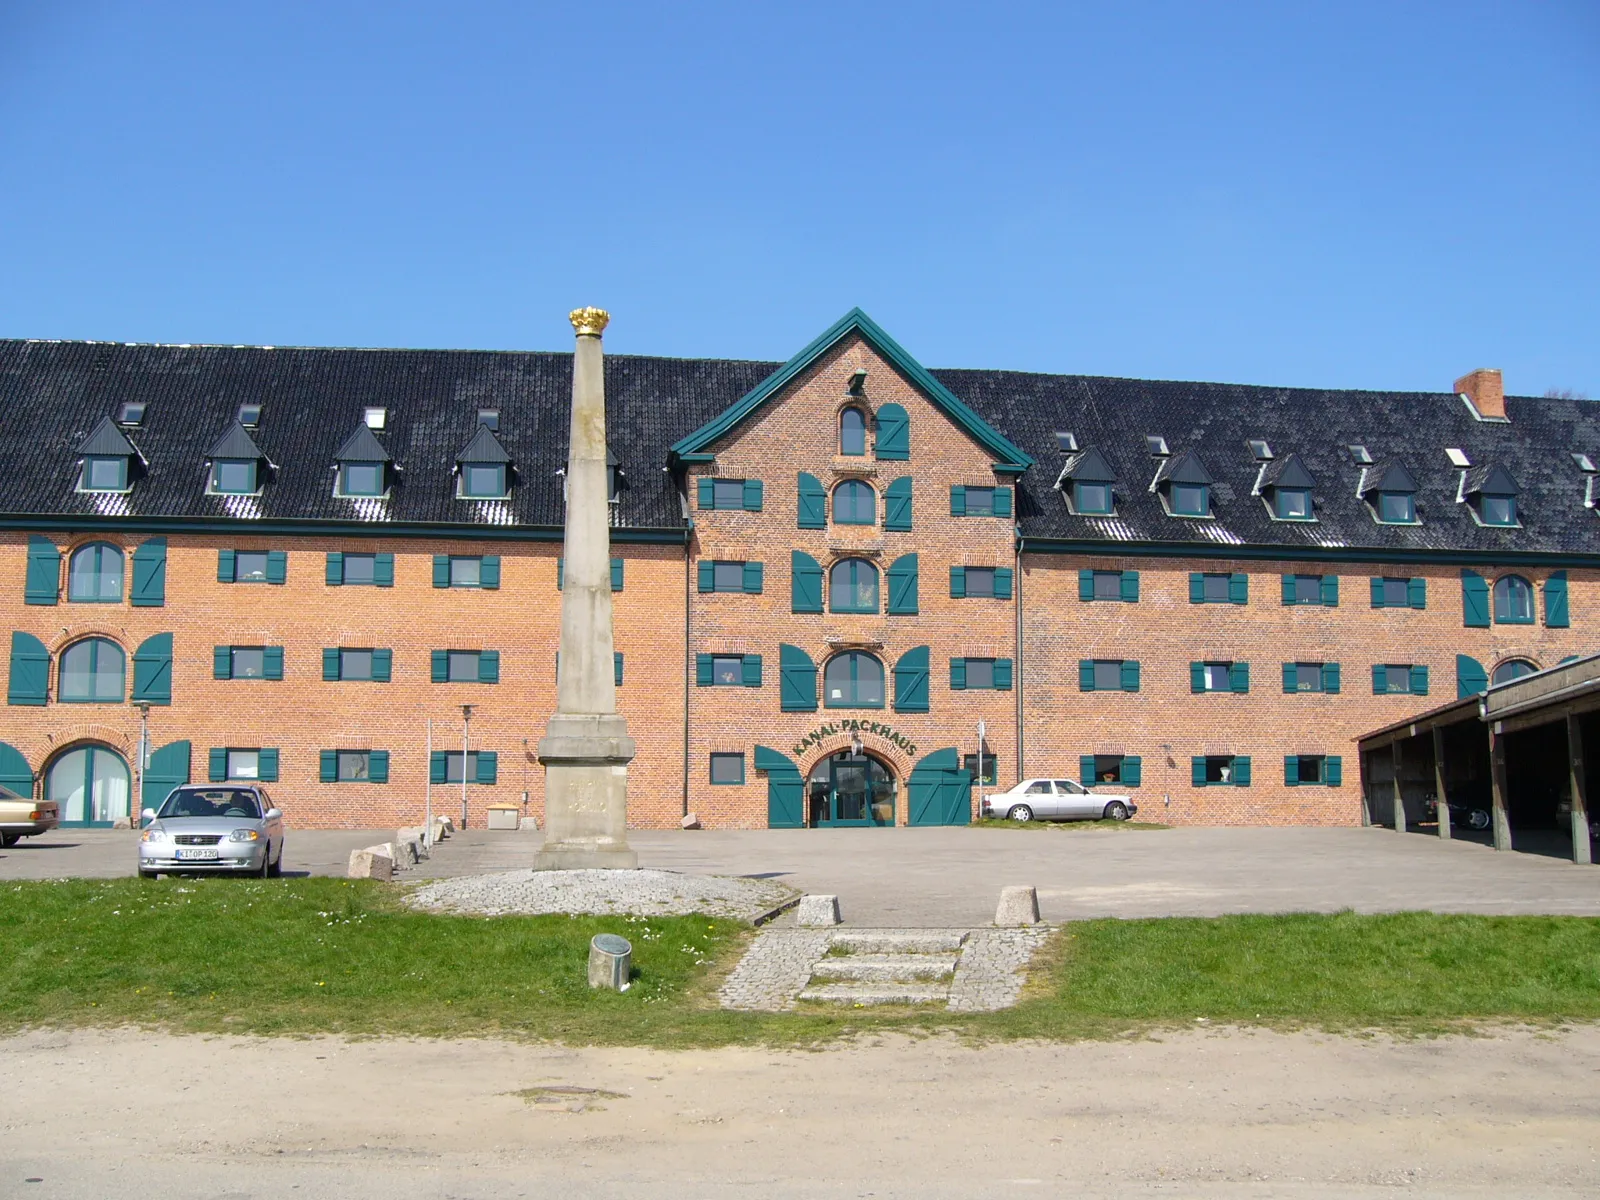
{"points": [[785, 789], [848, 789], [939, 792], [848, 795], [169, 767]]}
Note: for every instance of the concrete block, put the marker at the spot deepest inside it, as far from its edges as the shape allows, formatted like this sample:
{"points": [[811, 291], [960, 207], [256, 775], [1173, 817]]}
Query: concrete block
{"points": [[375, 862], [817, 910], [610, 962], [417, 834], [528, 823], [122, 823], [1018, 906], [690, 821], [407, 853]]}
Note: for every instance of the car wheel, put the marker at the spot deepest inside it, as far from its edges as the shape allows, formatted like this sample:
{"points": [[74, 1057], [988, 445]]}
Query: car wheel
{"points": [[276, 869], [1478, 819], [1020, 812], [1116, 811], [265, 868], [8, 840]]}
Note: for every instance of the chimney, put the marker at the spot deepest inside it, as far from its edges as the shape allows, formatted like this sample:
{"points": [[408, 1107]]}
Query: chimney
{"points": [[1486, 392]]}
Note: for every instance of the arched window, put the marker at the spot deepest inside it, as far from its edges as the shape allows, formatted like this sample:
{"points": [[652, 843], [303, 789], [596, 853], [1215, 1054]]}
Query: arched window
{"points": [[95, 574], [92, 672], [852, 431], [1512, 668], [855, 503], [1513, 601], [853, 586], [853, 679], [90, 786]]}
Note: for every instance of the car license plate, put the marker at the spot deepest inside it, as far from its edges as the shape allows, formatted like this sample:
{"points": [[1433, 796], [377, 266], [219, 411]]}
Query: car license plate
{"points": [[197, 852]]}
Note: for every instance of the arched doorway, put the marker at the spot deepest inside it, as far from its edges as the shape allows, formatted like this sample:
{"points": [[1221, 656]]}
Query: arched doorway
{"points": [[850, 789], [90, 786]]}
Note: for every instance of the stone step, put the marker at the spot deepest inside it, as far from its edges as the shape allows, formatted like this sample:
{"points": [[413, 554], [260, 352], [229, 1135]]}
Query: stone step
{"points": [[900, 941], [879, 993], [884, 967]]}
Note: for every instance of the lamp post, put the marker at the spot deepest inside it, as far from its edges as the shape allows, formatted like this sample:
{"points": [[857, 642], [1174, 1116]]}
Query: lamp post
{"points": [[141, 761], [466, 727]]}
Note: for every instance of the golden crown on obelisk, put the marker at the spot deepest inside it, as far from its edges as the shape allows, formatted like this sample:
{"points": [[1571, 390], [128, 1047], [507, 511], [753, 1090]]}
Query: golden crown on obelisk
{"points": [[589, 322]]}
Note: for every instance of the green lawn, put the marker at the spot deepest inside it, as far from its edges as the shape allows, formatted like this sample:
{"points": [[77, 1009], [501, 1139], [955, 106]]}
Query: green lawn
{"points": [[329, 955]]}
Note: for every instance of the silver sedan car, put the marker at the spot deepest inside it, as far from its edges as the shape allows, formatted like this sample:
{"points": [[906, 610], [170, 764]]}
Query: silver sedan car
{"points": [[1057, 800], [220, 828]]}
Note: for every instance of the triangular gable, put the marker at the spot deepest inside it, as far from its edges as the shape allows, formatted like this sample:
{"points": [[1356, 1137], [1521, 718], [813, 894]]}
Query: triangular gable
{"points": [[236, 443], [1091, 467], [1008, 457], [105, 440], [1288, 472], [362, 446], [1391, 477], [1491, 480], [1186, 468], [483, 448]]}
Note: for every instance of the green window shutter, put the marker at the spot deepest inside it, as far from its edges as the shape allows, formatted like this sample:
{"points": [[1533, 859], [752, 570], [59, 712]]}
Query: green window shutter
{"points": [[382, 665], [438, 767], [441, 570], [1197, 771], [805, 583], [1132, 770], [328, 766], [911, 681], [439, 666], [1197, 677], [1086, 674], [618, 572], [1380, 679], [335, 575], [1417, 593], [149, 574], [217, 764], [272, 662], [277, 572], [1002, 583], [225, 566], [1330, 591], [703, 676], [1130, 674], [894, 433], [751, 671], [958, 674], [561, 574], [1241, 770], [812, 509], [616, 669], [707, 490], [488, 767], [1330, 678], [267, 764], [1291, 677], [1291, 770], [378, 766], [330, 662], [1333, 770], [1555, 600], [1086, 769], [752, 495], [797, 679], [1377, 592], [1130, 587], [1002, 674], [489, 572], [1239, 677], [1419, 680], [707, 573], [958, 501], [383, 569], [897, 505], [1474, 600], [958, 581], [903, 597], [1197, 587], [1238, 588], [1471, 678], [222, 662], [152, 670], [44, 571], [1288, 589], [1002, 502], [489, 667], [752, 578], [1085, 585]]}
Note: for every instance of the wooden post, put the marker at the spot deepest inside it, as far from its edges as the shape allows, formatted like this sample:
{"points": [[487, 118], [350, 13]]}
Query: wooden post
{"points": [[1441, 800], [1579, 788], [1399, 800], [1497, 783]]}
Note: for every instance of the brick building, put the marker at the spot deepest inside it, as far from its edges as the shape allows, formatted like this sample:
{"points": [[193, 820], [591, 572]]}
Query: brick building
{"points": [[282, 563]]}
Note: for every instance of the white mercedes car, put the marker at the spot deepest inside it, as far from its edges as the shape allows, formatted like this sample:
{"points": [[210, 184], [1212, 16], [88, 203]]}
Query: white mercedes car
{"points": [[1057, 800]]}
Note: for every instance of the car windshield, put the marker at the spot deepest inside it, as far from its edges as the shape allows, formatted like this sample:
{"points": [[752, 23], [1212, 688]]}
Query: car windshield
{"points": [[212, 802]]}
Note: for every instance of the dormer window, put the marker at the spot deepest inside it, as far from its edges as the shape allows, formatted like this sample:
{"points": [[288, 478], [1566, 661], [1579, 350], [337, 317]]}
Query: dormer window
{"points": [[364, 466], [1091, 499], [235, 463], [1492, 494], [1190, 500], [484, 481], [1497, 510], [233, 476], [1185, 486], [1092, 481], [361, 479], [852, 431], [1397, 508], [107, 459], [615, 476], [1391, 491], [1287, 486], [1292, 504], [105, 474], [484, 467]]}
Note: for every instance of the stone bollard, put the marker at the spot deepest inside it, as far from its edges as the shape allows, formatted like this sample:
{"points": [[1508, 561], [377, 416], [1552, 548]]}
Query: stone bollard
{"points": [[375, 862], [408, 852], [1018, 906], [610, 962], [817, 910], [690, 821]]}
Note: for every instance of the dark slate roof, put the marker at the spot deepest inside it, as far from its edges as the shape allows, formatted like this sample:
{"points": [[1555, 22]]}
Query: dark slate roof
{"points": [[362, 446], [54, 394], [236, 443], [1090, 466], [1489, 478], [1286, 472], [105, 440], [483, 448], [1385, 477], [1182, 468]]}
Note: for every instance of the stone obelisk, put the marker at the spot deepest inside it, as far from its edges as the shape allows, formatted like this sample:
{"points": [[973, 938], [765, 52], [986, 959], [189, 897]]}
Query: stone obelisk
{"points": [[586, 748]]}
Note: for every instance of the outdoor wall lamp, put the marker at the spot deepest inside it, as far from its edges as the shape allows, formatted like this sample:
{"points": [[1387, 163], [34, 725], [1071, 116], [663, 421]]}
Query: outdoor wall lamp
{"points": [[858, 380]]}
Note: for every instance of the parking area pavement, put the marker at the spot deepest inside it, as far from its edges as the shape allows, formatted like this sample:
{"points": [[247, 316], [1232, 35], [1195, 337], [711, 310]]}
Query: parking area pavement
{"points": [[952, 876]]}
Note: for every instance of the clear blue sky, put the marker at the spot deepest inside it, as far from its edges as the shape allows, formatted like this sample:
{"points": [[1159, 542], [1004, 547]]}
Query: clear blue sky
{"points": [[1340, 194]]}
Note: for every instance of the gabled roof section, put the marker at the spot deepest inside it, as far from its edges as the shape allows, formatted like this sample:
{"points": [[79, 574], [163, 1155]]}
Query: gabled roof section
{"points": [[105, 440], [1182, 468], [1008, 457], [483, 448], [1287, 472], [362, 446], [236, 443], [1490, 480], [1387, 477], [1090, 467]]}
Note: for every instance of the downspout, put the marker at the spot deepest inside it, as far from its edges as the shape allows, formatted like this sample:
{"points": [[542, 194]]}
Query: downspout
{"points": [[1022, 674], [688, 654]]}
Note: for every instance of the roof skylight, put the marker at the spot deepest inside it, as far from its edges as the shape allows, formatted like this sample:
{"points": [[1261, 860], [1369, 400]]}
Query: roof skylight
{"points": [[1585, 463], [489, 417], [1458, 458], [1066, 442], [249, 415], [1261, 450], [1157, 445], [1361, 454], [131, 412], [376, 418]]}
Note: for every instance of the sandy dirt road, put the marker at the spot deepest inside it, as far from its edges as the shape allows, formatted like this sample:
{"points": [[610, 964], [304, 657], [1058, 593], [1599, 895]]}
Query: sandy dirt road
{"points": [[1204, 1113]]}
